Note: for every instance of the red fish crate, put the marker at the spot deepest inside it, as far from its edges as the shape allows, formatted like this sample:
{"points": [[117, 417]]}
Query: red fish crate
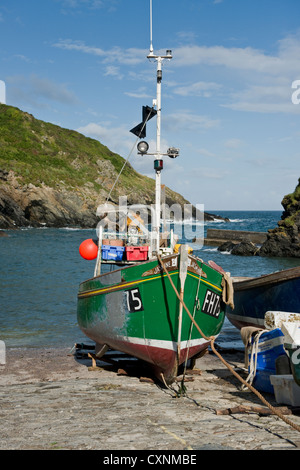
{"points": [[136, 253]]}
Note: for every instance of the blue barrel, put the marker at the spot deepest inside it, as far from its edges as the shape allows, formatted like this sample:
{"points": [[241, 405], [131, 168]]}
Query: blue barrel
{"points": [[269, 348]]}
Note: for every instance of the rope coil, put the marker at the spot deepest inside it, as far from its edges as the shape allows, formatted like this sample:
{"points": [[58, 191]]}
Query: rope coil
{"points": [[253, 358], [211, 339]]}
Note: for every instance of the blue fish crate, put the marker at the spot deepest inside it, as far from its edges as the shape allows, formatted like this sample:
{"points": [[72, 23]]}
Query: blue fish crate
{"points": [[262, 381], [270, 347], [113, 253]]}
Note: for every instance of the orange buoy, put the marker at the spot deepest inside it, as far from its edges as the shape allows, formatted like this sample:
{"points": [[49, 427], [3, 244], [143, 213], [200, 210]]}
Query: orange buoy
{"points": [[88, 249]]}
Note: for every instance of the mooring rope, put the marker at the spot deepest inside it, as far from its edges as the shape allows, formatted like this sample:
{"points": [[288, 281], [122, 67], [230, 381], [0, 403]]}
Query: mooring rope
{"points": [[192, 324], [126, 161], [253, 358], [211, 339]]}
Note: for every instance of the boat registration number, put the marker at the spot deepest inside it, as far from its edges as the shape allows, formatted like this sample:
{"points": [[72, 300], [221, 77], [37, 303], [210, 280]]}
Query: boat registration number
{"points": [[211, 304], [134, 300]]}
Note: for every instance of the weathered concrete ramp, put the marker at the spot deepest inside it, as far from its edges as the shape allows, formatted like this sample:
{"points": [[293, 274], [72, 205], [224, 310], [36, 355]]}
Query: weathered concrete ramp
{"points": [[49, 400]]}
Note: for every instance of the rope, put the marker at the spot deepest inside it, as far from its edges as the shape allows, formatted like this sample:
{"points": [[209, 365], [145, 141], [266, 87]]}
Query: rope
{"points": [[253, 358], [126, 161], [191, 328], [108, 197], [212, 340]]}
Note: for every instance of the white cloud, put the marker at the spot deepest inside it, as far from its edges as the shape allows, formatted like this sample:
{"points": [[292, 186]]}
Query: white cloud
{"points": [[205, 89], [116, 139], [261, 81], [233, 58], [36, 90], [113, 71], [51, 90], [264, 99], [79, 46], [22, 57], [186, 120], [2, 92], [205, 153], [140, 93], [129, 56], [89, 4], [242, 59], [233, 143], [207, 173], [267, 162], [187, 36]]}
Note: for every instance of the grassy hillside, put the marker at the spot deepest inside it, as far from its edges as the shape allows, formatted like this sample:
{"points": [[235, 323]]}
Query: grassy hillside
{"points": [[40, 152]]}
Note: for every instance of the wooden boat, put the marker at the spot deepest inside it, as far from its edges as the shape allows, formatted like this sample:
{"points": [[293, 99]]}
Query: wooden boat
{"points": [[135, 310], [253, 297], [138, 307]]}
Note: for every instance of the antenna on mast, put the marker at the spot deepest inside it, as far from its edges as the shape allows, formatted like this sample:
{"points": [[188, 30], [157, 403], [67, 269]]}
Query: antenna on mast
{"points": [[151, 46]]}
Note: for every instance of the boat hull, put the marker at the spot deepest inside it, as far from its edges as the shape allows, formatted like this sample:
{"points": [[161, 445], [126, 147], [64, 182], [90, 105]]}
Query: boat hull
{"points": [[135, 310], [278, 291]]}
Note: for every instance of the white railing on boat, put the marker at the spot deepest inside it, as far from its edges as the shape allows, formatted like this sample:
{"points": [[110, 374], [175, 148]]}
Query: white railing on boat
{"points": [[132, 239]]}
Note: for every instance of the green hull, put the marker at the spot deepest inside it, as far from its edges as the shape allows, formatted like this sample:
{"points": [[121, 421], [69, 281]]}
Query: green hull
{"points": [[135, 310]]}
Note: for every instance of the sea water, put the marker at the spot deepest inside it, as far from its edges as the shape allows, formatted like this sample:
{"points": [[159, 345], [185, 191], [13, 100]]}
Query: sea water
{"points": [[41, 270]]}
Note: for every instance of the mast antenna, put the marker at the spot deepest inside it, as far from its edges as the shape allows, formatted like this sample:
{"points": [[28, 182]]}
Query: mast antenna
{"points": [[151, 45]]}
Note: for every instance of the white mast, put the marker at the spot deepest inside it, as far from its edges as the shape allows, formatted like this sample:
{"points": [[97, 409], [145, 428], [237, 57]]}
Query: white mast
{"points": [[158, 163]]}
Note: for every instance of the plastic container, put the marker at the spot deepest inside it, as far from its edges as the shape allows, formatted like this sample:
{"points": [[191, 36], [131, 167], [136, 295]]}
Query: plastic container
{"points": [[114, 253], [137, 253], [165, 251], [262, 381], [269, 348], [113, 242], [286, 390]]}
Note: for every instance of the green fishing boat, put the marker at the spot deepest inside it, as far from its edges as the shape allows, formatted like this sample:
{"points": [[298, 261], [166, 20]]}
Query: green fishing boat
{"points": [[135, 309], [160, 306]]}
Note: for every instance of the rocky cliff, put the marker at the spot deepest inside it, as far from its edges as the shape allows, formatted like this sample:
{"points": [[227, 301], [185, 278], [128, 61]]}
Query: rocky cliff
{"points": [[56, 177], [284, 240]]}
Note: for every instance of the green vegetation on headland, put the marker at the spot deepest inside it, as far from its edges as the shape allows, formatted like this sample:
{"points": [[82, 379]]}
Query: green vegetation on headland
{"points": [[284, 240], [39, 152], [56, 177], [50, 176], [291, 205]]}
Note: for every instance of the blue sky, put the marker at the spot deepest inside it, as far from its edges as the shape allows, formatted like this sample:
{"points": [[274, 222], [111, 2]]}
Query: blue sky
{"points": [[226, 94]]}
